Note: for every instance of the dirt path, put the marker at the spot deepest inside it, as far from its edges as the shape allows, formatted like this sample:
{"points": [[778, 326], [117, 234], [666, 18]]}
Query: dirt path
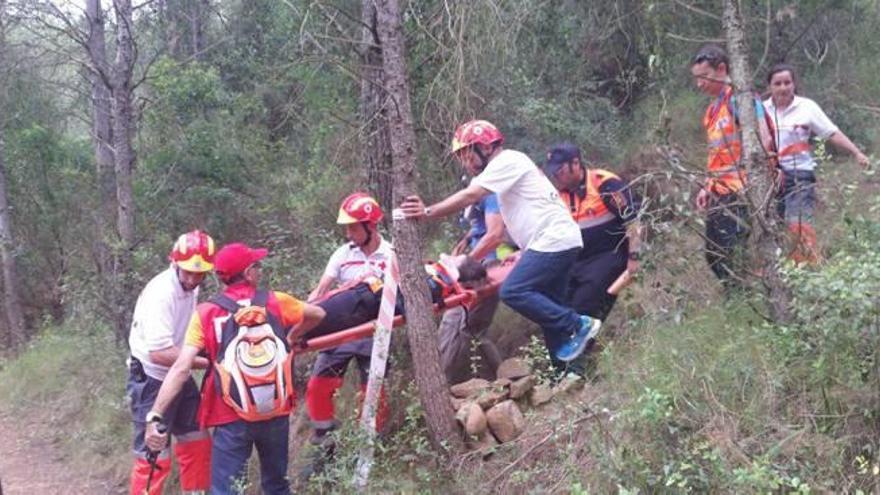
{"points": [[31, 464]]}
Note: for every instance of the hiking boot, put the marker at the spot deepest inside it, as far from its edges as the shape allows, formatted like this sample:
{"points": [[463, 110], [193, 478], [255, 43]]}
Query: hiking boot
{"points": [[585, 334]]}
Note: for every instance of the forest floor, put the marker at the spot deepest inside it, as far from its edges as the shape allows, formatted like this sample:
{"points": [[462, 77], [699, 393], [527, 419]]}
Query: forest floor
{"points": [[32, 462]]}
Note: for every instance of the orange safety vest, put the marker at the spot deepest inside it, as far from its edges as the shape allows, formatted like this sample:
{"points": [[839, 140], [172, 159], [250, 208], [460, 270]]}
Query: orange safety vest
{"points": [[725, 146], [588, 209]]}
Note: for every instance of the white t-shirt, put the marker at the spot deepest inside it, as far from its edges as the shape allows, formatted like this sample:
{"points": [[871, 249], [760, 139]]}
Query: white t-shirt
{"points": [[795, 124], [161, 316], [533, 214], [349, 262]]}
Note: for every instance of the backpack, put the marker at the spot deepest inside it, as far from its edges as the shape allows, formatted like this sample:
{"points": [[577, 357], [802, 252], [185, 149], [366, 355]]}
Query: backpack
{"points": [[254, 364]]}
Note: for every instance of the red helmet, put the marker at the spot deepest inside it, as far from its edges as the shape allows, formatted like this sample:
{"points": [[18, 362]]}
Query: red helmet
{"points": [[194, 252], [475, 132], [359, 207]]}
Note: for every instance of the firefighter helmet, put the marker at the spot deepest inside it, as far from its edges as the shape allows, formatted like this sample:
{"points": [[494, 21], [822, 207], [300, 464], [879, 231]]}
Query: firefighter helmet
{"points": [[194, 252], [359, 207], [475, 132]]}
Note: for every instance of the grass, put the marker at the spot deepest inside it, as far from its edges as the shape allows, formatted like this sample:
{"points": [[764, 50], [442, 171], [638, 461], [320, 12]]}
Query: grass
{"points": [[70, 382]]}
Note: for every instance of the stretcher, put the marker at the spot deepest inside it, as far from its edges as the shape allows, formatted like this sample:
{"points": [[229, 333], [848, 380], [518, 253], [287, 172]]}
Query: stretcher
{"points": [[495, 275]]}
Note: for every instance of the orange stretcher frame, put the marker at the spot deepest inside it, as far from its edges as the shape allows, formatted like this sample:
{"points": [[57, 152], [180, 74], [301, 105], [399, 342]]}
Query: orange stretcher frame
{"points": [[496, 276]]}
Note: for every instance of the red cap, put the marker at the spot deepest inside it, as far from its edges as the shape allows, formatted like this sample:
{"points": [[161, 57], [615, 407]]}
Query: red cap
{"points": [[232, 259]]}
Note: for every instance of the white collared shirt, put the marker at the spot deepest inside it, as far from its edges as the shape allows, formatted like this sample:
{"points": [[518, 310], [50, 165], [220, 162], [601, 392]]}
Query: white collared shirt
{"points": [[349, 262], [795, 124]]}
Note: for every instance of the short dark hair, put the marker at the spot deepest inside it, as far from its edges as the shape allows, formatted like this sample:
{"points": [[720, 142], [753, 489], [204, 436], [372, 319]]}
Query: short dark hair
{"points": [[783, 67], [711, 53], [471, 270]]}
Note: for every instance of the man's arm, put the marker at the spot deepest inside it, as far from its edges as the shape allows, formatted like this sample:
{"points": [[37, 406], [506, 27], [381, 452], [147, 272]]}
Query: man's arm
{"points": [[167, 357], [492, 239], [324, 285], [312, 316], [413, 207], [171, 386]]}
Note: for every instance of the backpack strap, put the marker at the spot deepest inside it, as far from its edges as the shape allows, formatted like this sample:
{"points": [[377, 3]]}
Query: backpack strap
{"points": [[261, 298], [226, 303]]}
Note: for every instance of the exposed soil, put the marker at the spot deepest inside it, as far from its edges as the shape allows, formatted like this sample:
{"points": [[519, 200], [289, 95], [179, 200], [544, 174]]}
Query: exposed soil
{"points": [[31, 463]]}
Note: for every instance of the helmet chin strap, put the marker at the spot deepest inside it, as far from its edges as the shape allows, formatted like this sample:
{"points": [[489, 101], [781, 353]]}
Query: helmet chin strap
{"points": [[484, 160]]}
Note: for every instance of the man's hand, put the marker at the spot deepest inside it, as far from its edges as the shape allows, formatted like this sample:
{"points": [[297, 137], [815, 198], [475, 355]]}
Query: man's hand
{"points": [[461, 246], [413, 207], [155, 440], [702, 199], [862, 159]]}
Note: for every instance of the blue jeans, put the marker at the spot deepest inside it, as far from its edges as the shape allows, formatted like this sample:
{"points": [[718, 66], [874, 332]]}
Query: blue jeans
{"points": [[536, 289], [233, 443]]}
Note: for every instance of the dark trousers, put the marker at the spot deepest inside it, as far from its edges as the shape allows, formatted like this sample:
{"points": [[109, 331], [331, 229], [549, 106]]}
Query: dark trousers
{"points": [[726, 234], [590, 279], [233, 443], [537, 289]]}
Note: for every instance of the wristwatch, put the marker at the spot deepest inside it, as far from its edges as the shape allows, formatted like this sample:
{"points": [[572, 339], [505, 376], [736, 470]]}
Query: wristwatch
{"points": [[634, 255], [427, 212], [153, 417]]}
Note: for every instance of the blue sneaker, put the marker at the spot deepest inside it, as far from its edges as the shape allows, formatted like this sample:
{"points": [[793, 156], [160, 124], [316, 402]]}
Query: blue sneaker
{"points": [[575, 347]]}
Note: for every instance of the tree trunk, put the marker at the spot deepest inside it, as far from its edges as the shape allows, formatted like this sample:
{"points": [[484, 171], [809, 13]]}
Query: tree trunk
{"points": [[11, 301], [430, 379], [374, 132], [761, 189], [124, 157], [197, 27], [102, 138]]}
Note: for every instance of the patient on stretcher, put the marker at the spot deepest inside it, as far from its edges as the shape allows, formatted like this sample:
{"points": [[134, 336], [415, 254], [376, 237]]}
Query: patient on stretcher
{"points": [[357, 303]]}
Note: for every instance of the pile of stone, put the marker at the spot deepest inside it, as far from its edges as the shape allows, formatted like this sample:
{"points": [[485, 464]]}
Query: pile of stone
{"points": [[491, 412]]}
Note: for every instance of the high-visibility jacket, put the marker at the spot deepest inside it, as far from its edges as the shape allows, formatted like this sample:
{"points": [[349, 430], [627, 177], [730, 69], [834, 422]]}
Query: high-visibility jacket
{"points": [[600, 207], [725, 146], [586, 205]]}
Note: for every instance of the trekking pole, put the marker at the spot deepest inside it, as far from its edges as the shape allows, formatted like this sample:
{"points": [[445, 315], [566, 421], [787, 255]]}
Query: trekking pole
{"points": [[153, 458]]}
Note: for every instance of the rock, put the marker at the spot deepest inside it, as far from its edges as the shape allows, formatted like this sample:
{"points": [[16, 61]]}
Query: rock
{"points": [[492, 396], [472, 417], [506, 421], [541, 394], [469, 388], [485, 444], [513, 368], [457, 403], [502, 383], [520, 387], [570, 383]]}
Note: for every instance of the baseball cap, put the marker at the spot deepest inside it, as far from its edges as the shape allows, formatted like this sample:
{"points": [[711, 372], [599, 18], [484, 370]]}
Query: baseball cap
{"points": [[234, 258], [560, 154]]}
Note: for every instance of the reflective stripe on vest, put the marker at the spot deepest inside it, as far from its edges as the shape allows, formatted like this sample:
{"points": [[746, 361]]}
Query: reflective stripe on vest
{"points": [[725, 146], [590, 210]]}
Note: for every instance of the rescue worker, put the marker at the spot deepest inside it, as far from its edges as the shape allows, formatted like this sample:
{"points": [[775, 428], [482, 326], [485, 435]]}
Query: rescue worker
{"points": [[796, 120], [538, 223], [161, 315], [239, 268], [726, 212], [607, 213], [366, 254]]}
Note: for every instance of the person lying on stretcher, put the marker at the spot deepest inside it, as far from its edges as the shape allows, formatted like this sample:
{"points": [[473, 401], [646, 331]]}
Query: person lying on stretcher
{"points": [[358, 302]]}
